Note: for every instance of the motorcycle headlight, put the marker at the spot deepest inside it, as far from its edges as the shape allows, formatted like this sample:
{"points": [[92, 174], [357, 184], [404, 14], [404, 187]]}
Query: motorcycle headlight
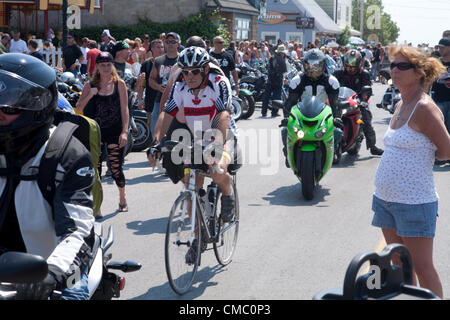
{"points": [[300, 134]]}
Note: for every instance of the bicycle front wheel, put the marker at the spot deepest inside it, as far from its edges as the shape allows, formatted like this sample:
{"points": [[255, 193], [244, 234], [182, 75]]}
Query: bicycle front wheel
{"points": [[182, 248], [227, 233]]}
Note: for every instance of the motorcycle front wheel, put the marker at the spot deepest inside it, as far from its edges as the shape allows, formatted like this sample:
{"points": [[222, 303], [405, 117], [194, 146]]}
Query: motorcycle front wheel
{"points": [[307, 172], [249, 106], [237, 110]]}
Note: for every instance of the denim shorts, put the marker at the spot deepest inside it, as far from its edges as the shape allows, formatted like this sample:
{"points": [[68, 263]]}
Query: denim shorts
{"points": [[409, 220]]}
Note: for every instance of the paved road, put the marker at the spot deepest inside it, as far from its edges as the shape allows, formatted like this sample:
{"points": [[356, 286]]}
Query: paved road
{"points": [[288, 248]]}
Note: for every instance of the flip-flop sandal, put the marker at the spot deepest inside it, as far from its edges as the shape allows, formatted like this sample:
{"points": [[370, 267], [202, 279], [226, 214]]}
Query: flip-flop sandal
{"points": [[123, 207]]}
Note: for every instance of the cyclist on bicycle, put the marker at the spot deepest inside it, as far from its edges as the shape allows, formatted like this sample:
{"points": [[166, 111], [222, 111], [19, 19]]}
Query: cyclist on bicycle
{"points": [[201, 98]]}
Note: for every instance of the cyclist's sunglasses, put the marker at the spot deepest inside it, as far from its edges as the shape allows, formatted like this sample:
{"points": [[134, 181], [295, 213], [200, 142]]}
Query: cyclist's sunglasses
{"points": [[402, 66], [10, 110], [193, 71]]}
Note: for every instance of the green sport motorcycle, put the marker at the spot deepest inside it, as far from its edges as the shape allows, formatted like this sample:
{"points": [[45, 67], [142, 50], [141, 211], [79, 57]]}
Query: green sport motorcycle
{"points": [[310, 142]]}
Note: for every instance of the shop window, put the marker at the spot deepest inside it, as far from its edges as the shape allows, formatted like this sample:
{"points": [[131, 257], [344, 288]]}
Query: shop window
{"points": [[242, 28]]}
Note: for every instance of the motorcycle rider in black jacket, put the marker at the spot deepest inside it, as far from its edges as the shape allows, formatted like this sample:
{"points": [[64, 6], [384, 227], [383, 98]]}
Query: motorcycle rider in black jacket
{"points": [[61, 231], [354, 76], [314, 82]]}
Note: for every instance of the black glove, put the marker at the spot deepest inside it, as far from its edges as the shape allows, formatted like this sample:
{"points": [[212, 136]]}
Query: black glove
{"points": [[283, 123], [36, 291], [338, 123], [363, 104]]}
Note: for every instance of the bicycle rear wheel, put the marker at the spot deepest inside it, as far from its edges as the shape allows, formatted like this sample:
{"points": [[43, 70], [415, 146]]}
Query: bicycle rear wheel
{"points": [[180, 269], [225, 245]]}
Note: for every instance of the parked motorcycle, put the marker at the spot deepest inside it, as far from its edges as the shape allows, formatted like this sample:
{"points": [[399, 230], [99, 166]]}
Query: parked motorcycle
{"points": [[253, 80], [140, 131], [310, 142], [17, 267], [349, 106], [390, 98]]}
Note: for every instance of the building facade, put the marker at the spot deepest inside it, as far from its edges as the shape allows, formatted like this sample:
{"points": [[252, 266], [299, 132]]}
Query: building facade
{"points": [[241, 17], [301, 21], [341, 13]]}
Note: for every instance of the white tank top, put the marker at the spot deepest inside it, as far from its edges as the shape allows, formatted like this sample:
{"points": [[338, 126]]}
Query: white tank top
{"points": [[405, 172]]}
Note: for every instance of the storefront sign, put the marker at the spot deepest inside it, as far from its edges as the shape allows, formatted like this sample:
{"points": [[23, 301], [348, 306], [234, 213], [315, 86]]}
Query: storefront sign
{"points": [[271, 18], [305, 23]]}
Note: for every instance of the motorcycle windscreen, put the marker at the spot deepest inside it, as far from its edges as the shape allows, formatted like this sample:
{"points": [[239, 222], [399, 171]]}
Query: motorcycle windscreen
{"points": [[345, 93], [21, 93], [311, 106]]}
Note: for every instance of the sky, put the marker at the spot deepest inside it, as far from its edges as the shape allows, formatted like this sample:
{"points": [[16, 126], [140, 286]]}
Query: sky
{"points": [[419, 20]]}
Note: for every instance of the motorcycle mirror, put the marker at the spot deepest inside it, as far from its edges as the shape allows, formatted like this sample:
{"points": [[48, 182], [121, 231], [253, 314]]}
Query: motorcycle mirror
{"points": [[107, 243], [127, 266], [18, 267]]}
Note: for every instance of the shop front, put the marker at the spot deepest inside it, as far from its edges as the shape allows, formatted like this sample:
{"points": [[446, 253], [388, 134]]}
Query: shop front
{"points": [[33, 15], [294, 20]]}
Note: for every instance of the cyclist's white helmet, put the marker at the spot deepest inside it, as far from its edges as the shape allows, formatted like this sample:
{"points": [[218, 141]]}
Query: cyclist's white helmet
{"points": [[193, 57]]}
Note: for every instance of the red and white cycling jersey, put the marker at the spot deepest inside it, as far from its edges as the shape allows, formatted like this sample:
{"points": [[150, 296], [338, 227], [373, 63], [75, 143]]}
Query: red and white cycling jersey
{"points": [[201, 112]]}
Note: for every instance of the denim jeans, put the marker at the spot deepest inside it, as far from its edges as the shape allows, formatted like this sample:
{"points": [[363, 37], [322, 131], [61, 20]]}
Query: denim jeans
{"points": [[83, 69], [375, 67], [445, 108], [271, 93], [80, 290], [155, 116]]}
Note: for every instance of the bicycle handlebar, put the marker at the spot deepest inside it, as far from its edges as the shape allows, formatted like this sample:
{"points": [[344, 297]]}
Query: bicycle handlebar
{"points": [[169, 145]]}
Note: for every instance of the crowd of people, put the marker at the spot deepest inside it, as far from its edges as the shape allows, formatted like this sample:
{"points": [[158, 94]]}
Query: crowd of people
{"points": [[176, 80]]}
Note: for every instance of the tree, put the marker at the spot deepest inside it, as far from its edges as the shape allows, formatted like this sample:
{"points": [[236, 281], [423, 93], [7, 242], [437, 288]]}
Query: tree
{"points": [[375, 21], [343, 38]]}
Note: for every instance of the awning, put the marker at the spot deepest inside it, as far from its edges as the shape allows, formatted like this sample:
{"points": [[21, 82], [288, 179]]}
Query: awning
{"points": [[239, 6], [322, 21]]}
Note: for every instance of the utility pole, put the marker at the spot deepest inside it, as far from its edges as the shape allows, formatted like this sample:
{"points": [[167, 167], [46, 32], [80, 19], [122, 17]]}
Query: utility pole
{"points": [[64, 22], [361, 17]]}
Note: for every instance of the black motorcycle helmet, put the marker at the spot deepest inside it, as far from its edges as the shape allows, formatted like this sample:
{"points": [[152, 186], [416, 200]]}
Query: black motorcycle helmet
{"points": [[353, 61], [314, 63], [28, 88]]}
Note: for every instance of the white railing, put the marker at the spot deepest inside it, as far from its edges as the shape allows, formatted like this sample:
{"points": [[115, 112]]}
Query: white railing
{"points": [[53, 57]]}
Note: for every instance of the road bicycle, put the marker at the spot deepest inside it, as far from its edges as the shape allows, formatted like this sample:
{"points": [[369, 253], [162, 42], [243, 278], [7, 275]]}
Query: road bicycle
{"points": [[191, 228]]}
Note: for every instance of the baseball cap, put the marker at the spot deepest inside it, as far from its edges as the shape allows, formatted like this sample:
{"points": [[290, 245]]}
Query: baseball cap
{"points": [[120, 45], [175, 35], [106, 33], [104, 56], [445, 42]]}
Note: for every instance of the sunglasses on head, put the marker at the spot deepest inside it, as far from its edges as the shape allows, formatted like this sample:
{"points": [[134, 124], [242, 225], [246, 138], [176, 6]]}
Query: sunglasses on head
{"points": [[10, 110], [194, 72], [171, 41], [402, 66]]}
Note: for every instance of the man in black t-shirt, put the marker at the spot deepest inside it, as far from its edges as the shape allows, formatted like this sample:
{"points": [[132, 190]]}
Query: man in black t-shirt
{"points": [[226, 61], [160, 73], [107, 44], [376, 62], [440, 91], [157, 50], [70, 54], [34, 51], [120, 54]]}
